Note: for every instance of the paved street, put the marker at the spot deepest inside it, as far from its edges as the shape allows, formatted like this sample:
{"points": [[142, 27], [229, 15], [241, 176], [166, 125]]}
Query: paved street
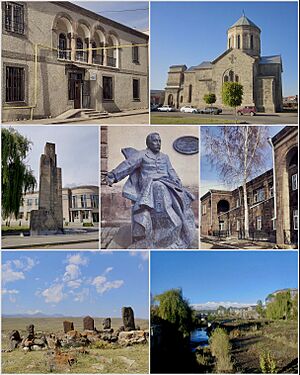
{"points": [[260, 118], [68, 241], [213, 243]]}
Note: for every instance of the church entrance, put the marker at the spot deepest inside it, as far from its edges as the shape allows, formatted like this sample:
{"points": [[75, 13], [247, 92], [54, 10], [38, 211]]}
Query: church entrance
{"points": [[171, 100]]}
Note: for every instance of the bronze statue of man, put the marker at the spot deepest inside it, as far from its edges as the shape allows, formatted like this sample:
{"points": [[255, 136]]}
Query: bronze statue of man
{"points": [[161, 213]]}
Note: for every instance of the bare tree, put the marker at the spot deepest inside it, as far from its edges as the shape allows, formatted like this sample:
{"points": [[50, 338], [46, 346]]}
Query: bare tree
{"points": [[238, 153]]}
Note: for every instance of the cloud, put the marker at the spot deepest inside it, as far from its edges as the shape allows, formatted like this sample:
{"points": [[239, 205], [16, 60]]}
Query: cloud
{"points": [[72, 272], [74, 284], [141, 267], [213, 305], [143, 254], [15, 269], [10, 291], [25, 263], [77, 259], [82, 295], [102, 285], [9, 275], [12, 299], [54, 294], [108, 269]]}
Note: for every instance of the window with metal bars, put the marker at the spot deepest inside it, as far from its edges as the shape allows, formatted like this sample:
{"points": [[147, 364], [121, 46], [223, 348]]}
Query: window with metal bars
{"points": [[14, 84], [136, 89], [14, 17], [107, 88]]}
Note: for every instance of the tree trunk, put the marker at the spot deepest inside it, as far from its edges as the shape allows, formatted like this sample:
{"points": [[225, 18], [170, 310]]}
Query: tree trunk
{"points": [[246, 211]]}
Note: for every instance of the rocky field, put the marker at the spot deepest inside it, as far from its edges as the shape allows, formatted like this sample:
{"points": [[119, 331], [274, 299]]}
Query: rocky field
{"points": [[45, 347]]}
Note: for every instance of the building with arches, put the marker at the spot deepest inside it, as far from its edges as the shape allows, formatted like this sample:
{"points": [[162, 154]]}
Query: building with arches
{"points": [[241, 62], [273, 207], [57, 56]]}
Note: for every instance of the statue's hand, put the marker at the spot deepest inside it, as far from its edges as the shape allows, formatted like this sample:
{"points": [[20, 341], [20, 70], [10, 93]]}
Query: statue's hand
{"points": [[110, 179]]}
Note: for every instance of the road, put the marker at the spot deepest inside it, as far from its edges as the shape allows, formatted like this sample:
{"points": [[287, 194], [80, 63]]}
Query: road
{"points": [[260, 118]]}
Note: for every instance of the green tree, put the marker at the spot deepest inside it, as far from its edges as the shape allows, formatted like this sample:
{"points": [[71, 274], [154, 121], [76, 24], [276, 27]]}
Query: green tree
{"points": [[209, 98], [220, 348], [260, 309], [173, 308], [17, 177], [280, 307], [294, 312], [232, 95]]}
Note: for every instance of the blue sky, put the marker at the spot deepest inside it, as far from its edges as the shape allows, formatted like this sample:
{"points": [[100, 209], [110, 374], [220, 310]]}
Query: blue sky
{"points": [[191, 32], [75, 284], [218, 276], [77, 149], [130, 13], [209, 177]]}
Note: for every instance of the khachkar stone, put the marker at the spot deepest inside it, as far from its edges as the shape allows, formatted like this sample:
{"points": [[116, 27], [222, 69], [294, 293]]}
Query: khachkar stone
{"points": [[30, 331], [88, 323], [106, 323], [48, 219], [128, 319], [68, 326]]}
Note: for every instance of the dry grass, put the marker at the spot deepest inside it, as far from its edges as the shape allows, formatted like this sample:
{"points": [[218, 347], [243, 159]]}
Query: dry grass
{"points": [[110, 359]]}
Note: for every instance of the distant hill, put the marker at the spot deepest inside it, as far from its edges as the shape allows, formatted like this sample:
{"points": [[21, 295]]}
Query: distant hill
{"points": [[36, 315]]}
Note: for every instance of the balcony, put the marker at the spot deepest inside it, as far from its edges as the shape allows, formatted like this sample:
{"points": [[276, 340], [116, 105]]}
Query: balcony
{"points": [[98, 59], [111, 61], [64, 54], [81, 56]]}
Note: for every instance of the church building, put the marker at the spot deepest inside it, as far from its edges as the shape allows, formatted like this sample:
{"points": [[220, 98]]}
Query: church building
{"points": [[241, 62]]}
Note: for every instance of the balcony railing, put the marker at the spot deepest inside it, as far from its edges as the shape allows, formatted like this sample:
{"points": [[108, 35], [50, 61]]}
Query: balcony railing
{"points": [[111, 61], [64, 54], [81, 56], [98, 59]]}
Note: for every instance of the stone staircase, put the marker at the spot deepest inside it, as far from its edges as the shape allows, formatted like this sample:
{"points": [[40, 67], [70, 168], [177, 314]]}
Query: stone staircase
{"points": [[80, 114]]}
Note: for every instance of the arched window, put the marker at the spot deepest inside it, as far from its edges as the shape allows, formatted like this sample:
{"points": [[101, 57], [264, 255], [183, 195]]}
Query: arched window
{"points": [[238, 41], [251, 42], [226, 78], [94, 53], [229, 43], [236, 78], [62, 46], [190, 93], [231, 76], [181, 99], [79, 50]]}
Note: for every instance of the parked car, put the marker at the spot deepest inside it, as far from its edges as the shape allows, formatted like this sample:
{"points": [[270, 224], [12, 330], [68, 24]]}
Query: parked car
{"points": [[188, 109], [211, 110], [154, 107], [166, 108], [247, 110]]}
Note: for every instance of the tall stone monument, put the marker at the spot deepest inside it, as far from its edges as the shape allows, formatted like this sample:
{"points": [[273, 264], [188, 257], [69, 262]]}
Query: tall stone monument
{"points": [[48, 219]]}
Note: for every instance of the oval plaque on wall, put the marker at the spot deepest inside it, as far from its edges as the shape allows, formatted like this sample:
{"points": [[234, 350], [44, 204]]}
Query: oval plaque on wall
{"points": [[187, 145]]}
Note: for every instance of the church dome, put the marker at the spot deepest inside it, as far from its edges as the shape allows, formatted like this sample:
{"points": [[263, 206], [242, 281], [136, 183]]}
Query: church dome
{"points": [[244, 21], [244, 35]]}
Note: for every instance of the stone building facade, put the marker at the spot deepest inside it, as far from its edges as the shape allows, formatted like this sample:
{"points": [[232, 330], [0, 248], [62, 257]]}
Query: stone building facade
{"points": [[273, 208], [57, 56], [241, 62], [80, 205]]}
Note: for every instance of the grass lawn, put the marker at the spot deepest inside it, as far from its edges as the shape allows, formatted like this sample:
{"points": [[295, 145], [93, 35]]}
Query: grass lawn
{"points": [[173, 120], [5, 228]]}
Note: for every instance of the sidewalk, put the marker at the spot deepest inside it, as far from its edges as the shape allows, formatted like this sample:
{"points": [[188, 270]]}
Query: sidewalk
{"points": [[210, 242], [18, 242], [52, 121]]}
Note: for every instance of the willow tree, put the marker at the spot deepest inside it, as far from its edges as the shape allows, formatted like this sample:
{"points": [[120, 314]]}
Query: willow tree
{"points": [[17, 177], [238, 153], [173, 308]]}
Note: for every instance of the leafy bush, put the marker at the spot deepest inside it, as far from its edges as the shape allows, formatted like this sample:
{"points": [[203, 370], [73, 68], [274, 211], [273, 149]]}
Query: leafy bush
{"points": [[87, 224], [267, 363], [220, 348]]}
